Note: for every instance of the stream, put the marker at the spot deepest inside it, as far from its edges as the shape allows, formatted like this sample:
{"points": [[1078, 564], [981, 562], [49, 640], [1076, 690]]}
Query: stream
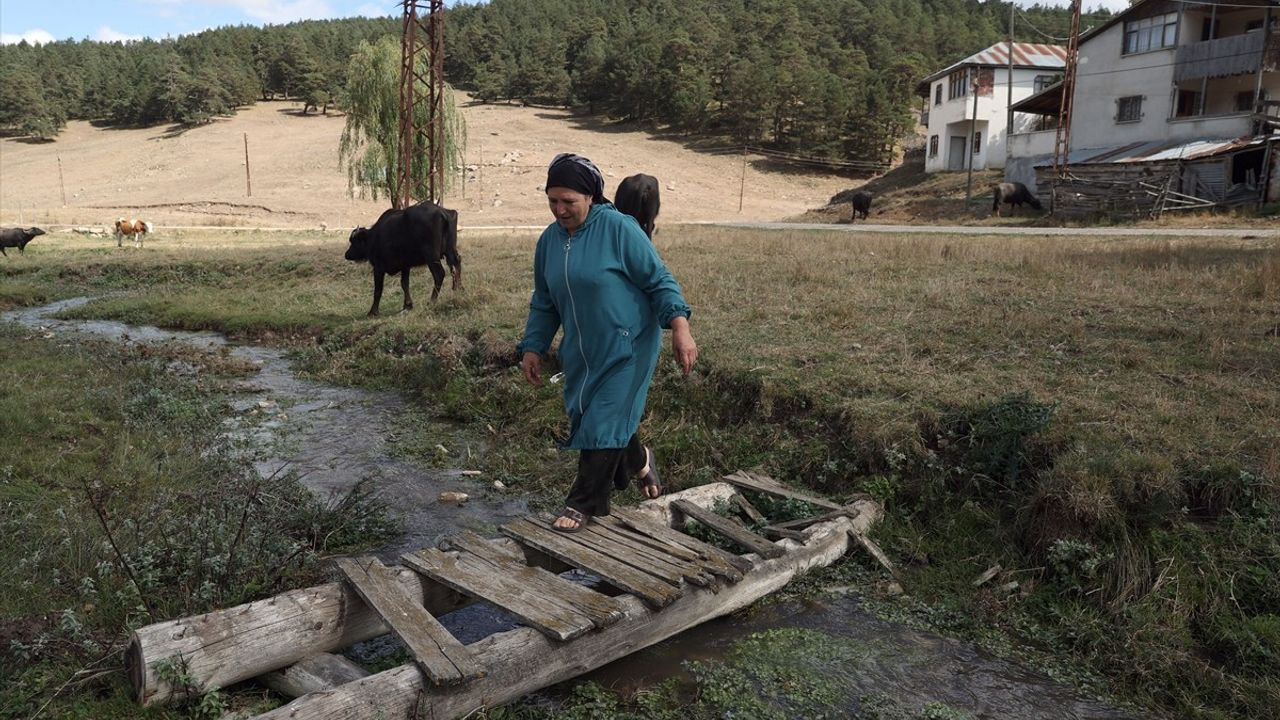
{"points": [[334, 437]]}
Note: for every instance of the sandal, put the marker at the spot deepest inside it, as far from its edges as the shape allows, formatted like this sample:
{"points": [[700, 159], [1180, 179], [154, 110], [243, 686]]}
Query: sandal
{"points": [[650, 478], [577, 516]]}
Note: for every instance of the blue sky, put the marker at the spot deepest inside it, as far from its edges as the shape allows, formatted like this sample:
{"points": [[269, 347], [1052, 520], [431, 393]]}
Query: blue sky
{"points": [[46, 20]]}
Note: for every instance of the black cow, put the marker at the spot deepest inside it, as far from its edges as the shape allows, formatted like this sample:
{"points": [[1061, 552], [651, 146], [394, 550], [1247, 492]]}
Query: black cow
{"points": [[637, 196], [403, 239], [17, 237], [1013, 193], [861, 201]]}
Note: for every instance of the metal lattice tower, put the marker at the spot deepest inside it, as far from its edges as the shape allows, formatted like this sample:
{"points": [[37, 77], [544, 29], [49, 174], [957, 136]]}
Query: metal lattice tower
{"points": [[423, 37], [1062, 144]]}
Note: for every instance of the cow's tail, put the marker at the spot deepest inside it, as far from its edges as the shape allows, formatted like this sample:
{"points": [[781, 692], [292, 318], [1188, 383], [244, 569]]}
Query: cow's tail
{"points": [[995, 198], [452, 257]]}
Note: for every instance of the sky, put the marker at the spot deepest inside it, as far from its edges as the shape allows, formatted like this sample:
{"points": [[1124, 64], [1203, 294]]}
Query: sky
{"points": [[109, 20]]}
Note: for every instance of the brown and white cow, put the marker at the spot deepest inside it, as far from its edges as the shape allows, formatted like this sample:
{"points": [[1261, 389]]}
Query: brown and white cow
{"points": [[136, 228]]}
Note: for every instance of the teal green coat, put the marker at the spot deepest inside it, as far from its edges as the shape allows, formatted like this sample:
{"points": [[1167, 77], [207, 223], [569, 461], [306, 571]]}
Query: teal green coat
{"points": [[609, 290]]}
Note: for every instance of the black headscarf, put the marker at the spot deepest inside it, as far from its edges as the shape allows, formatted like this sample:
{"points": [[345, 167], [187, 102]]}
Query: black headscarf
{"points": [[576, 173]]}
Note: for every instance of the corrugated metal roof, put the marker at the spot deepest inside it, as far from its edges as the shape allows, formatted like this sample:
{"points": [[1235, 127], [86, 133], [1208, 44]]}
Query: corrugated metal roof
{"points": [[1052, 57], [1162, 150]]}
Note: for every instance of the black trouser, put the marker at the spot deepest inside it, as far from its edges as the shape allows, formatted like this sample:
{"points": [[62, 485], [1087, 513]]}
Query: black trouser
{"points": [[600, 471]]}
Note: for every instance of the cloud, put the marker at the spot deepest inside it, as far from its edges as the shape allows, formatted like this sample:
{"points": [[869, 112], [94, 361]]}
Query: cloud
{"points": [[280, 11], [106, 34], [34, 36], [372, 10]]}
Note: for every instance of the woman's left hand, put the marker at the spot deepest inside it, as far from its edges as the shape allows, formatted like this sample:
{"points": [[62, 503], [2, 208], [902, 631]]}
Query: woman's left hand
{"points": [[682, 344]]}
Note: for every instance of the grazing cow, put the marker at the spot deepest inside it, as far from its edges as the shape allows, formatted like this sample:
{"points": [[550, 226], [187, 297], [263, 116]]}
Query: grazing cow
{"points": [[1013, 193], [861, 202], [637, 196], [17, 237], [403, 239], [137, 228]]}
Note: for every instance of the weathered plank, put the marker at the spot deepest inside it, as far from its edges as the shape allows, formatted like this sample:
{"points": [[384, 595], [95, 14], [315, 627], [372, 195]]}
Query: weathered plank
{"points": [[746, 507], [721, 562], [640, 555], [875, 552], [321, 671], [649, 588], [773, 531], [661, 546], [731, 530], [442, 658], [602, 609], [801, 523], [469, 574], [765, 484], [524, 660]]}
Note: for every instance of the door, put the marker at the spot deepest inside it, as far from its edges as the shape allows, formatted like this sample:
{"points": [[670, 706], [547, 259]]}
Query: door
{"points": [[955, 153]]}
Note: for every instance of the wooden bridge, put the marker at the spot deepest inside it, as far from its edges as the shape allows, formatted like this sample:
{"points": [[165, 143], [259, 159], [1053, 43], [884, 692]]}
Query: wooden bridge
{"points": [[655, 581]]}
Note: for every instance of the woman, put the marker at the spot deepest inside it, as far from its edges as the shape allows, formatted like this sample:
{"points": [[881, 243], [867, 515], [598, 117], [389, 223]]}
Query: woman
{"points": [[596, 274]]}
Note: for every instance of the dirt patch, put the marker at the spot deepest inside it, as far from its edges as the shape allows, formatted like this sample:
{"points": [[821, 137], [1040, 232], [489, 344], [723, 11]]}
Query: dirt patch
{"points": [[196, 176]]}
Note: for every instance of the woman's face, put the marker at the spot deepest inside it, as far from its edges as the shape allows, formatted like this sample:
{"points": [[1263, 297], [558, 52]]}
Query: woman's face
{"points": [[569, 206]]}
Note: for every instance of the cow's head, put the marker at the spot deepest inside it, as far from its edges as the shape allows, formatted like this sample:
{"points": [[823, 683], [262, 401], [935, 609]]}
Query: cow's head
{"points": [[28, 235], [358, 251]]}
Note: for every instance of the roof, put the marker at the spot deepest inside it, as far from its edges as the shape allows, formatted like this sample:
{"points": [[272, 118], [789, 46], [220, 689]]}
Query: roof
{"points": [[1162, 150], [1127, 12], [1046, 102], [1025, 55]]}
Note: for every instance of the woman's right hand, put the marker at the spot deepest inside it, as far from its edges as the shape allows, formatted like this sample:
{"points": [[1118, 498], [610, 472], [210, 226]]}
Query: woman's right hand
{"points": [[531, 366]]}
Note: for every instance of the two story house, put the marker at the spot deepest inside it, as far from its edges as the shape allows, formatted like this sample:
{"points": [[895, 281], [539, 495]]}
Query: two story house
{"points": [[954, 132], [1169, 83]]}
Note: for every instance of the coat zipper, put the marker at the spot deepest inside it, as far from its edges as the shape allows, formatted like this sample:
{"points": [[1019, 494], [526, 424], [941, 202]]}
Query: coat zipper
{"points": [[573, 305]]}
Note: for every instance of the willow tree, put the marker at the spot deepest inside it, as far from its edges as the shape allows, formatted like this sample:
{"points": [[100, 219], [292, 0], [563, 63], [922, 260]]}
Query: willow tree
{"points": [[370, 144]]}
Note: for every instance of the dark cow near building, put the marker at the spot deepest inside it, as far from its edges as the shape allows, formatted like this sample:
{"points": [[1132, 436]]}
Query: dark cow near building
{"points": [[1013, 193], [17, 237], [637, 196], [403, 239], [861, 202]]}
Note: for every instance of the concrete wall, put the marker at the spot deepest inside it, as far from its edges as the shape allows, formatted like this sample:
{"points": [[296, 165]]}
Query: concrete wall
{"points": [[1104, 76]]}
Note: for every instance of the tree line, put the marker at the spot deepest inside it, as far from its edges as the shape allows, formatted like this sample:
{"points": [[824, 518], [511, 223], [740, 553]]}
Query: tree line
{"points": [[832, 78]]}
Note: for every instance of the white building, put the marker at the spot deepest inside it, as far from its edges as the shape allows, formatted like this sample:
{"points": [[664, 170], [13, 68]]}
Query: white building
{"points": [[950, 93], [1168, 80]]}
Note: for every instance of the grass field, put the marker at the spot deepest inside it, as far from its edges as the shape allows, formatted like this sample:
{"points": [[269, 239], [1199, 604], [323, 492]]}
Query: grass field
{"points": [[1098, 416]]}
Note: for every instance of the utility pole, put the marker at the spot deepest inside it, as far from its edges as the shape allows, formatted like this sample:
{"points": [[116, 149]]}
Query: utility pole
{"points": [[248, 184], [1008, 127], [971, 146], [1062, 143], [421, 37]]}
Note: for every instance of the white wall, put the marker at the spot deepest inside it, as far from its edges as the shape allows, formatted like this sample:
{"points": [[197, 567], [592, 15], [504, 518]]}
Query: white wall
{"points": [[992, 117]]}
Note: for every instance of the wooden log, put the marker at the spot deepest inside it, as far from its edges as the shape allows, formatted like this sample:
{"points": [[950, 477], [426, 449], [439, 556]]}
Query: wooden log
{"points": [[802, 523], [773, 531], [721, 562], [618, 574], [523, 660], [442, 658], [748, 509], [226, 646], [473, 576], [765, 484], [731, 530], [321, 671], [603, 610]]}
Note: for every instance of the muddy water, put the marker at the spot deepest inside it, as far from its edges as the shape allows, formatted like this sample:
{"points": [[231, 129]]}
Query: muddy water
{"points": [[908, 667], [332, 437]]}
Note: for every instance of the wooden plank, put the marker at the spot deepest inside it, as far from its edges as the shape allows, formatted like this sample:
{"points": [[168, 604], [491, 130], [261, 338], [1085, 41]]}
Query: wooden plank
{"points": [[623, 547], [773, 531], [661, 546], [441, 657], [802, 523], [764, 484], [649, 588], [731, 530], [468, 574], [602, 609], [751, 512], [874, 551], [322, 671], [721, 562]]}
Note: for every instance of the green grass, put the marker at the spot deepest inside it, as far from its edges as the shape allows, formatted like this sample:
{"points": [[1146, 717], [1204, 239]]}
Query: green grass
{"points": [[1097, 415]]}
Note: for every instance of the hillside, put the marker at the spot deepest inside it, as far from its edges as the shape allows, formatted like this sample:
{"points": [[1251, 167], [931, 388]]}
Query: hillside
{"points": [[197, 176]]}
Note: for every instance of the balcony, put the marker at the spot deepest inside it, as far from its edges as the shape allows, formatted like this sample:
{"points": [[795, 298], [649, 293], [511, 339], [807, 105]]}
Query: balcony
{"points": [[1235, 55]]}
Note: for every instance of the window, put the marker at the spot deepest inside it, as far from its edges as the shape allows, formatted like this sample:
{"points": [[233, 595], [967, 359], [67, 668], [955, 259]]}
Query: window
{"points": [[933, 146], [958, 84], [1244, 100], [1208, 29], [1042, 82], [977, 143], [1188, 103], [937, 94], [1129, 109], [1151, 33]]}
